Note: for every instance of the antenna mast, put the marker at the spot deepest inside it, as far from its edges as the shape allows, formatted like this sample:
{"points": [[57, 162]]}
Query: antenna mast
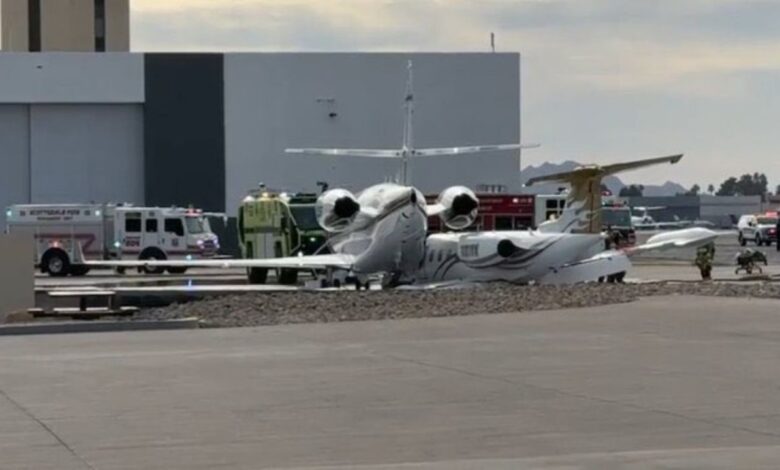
{"points": [[408, 145]]}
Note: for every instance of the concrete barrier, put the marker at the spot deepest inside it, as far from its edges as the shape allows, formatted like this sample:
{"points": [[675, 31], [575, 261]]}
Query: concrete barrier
{"points": [[17, 274], [53, 328]]}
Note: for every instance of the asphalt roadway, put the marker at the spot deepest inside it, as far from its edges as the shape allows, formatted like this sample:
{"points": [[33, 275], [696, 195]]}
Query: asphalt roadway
{"points": [[667, 382]]}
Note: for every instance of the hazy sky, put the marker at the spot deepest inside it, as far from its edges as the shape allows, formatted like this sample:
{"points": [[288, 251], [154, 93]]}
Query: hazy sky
{"points": [[603, 80]]}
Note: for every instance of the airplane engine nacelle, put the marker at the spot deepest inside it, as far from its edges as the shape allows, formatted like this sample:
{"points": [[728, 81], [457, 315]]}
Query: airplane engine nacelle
{"points": [[460, 207], [336, 210]]}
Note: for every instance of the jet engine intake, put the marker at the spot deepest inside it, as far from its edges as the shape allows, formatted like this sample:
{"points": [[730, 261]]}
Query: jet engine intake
{"points": [[506, 248], [460, 207], [336, 210]]}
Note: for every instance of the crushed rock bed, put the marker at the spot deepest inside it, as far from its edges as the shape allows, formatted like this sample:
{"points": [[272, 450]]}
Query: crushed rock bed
{"points": [[276, 308]]}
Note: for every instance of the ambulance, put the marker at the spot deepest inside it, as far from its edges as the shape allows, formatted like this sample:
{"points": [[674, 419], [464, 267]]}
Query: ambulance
{"points": [[111, 232]]}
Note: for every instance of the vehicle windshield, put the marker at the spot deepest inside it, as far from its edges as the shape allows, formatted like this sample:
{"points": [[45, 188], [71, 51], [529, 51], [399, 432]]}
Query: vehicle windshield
{"points": [[767, 221], [305, 217], [616, 217], [195, 225]]}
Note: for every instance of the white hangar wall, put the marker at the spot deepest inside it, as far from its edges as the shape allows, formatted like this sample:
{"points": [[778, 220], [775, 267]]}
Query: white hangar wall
{"points": [[275, 101], [80, 127], [71, 128]]}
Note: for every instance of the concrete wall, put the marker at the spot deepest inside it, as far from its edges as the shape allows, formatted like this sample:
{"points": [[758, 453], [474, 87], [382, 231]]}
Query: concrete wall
{"points": [[68, 25], [15, 157], [118, 25], [15, 36], [71, 78], [274, 101], [17, 279]]}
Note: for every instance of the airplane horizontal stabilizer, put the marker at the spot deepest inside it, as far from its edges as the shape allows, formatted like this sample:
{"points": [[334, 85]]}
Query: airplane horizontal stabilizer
{"points": [[374, 153], [430, 152]]}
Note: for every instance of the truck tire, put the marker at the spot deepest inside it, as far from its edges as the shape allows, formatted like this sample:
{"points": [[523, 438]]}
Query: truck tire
{"points": [[288, 277], [152, 254], [257, 275], [759, 241], [742, 241], [56, 263]]}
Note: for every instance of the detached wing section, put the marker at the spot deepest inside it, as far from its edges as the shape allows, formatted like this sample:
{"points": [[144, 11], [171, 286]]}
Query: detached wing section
{"points": [[375, 153], [304, 263], [686, 238]]}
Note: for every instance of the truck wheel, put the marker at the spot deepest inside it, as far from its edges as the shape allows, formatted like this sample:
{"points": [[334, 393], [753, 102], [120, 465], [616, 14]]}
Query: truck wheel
{"points": [[257, 275], [180, 270], [288, 277], [152, 255], [759, 242], [742, 240], [79, 270], [56, 263]]}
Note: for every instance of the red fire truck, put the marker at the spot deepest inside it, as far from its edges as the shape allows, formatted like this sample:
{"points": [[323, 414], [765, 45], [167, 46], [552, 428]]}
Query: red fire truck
{"points": [[496, 212]]}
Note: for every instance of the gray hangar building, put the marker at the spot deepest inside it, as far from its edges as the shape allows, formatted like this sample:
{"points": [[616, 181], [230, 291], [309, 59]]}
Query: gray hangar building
{"points": [[203, 129]]}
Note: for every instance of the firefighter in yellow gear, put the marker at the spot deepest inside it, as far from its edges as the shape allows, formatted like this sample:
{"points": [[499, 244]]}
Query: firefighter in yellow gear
{"points": [[704, 257]]}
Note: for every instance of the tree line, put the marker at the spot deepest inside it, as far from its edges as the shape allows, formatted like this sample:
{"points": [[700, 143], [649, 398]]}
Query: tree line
{"points": [[755, 184]]}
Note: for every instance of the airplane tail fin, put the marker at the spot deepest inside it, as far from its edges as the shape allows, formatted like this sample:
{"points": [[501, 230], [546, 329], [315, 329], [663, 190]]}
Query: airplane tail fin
{"points": [[582, 213]]}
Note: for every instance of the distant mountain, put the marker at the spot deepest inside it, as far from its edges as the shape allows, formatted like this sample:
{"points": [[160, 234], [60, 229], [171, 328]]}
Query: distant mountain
{"points": [[614, 183]]}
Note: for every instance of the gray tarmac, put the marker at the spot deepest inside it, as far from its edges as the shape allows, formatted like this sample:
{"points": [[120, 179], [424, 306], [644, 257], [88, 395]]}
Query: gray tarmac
{"points": [[669, 382]]}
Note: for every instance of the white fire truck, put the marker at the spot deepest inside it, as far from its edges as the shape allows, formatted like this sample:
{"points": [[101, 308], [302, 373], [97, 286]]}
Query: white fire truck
{"points": [[111, 232]]}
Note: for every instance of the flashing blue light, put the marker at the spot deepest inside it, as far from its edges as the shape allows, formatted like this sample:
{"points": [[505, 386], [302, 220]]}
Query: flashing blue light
{"points": [[189, 257], [9, 213], [97, 213], [117, 244]]}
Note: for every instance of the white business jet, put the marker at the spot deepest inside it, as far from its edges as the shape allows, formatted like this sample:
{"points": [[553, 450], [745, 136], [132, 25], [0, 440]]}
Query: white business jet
{"points": [[383, 230]]}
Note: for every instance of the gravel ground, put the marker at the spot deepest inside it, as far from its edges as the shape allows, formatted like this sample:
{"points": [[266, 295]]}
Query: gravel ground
{"points": [[323, 307]]}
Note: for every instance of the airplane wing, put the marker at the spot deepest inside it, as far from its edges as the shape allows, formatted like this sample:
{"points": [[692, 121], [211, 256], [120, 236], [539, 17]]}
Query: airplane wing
{"points": [[304, 263], [597, 170], [690, 237], [618, 167], [601, 265], [470, 149], [375, 153]]}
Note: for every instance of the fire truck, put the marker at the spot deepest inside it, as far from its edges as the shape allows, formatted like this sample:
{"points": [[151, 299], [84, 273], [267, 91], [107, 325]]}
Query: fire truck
{"points": [[274, 225], [111, 232], [496, 212]]}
